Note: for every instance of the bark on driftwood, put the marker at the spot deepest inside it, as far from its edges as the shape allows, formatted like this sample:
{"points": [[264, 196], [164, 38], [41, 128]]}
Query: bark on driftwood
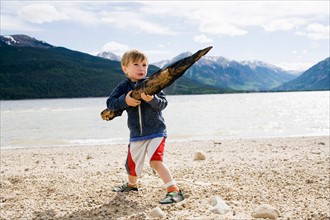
{"points": [[160, 80]]}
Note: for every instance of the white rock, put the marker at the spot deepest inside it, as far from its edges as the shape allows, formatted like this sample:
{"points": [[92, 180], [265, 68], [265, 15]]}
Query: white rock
{"points": [[157, 213], [199, 155], [265, 211], [316, 151], [220, 207]]}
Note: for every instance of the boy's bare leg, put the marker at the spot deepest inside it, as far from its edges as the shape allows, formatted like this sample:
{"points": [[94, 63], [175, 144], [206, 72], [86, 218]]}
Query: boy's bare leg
{"points": [[132, 181], [162, 171], [130, 186], [173, 194]]}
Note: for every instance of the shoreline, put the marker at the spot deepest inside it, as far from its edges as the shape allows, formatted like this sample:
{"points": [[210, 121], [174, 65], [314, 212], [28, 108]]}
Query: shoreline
{"points": [[290, 173], [168, 140]]}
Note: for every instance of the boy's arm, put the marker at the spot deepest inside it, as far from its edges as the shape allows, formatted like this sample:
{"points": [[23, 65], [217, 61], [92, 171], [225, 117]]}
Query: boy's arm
{"points": [[116, 100], [159, 101]]}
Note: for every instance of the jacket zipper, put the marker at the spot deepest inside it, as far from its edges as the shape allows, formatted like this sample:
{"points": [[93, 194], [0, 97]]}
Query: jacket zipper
{"points": [[140, 120]]}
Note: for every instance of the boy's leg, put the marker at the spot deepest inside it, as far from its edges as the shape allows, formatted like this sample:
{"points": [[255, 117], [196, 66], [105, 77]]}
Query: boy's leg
{"points": [[156, 162], [135, 160], [126, 188], [165, 174], [132, 181], [134, 165], [173, 194]]}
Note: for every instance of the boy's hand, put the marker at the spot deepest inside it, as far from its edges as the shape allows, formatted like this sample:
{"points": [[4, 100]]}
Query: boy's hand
{"points": [[130, 101], [146, 98]]}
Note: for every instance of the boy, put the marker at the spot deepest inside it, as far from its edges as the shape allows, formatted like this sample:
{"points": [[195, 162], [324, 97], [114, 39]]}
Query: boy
{"points": [[146, 125]]}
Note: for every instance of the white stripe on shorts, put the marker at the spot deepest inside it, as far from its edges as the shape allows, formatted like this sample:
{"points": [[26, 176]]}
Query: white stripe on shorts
{"points": [[139, 149]]}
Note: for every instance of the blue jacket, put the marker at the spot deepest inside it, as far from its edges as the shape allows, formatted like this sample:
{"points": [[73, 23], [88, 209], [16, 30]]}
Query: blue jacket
{"points": [[144, 121]]}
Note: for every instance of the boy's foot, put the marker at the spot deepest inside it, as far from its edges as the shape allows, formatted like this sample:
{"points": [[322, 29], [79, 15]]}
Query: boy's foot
{"points": [[172, 197], [125, 188]]}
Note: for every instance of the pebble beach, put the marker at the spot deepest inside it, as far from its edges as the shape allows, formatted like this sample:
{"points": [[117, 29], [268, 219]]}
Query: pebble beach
{"points": [[291, 175]]}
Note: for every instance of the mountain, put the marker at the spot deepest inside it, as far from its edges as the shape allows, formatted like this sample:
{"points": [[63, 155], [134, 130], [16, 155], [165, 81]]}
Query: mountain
{"points": [[315, 78], [23, 41], [165, 63], [31, 69], [109, 55], [221, 72]]}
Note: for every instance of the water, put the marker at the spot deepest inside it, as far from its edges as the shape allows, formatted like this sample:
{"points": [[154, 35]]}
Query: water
{"points": [[71, 122]]}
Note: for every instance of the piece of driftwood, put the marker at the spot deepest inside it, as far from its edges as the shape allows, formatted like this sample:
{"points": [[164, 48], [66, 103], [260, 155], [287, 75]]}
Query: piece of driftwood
{"points": [[159, 80]]}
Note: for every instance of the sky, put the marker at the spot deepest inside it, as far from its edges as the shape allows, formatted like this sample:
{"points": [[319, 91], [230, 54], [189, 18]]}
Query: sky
{"points": [[293, 35]]}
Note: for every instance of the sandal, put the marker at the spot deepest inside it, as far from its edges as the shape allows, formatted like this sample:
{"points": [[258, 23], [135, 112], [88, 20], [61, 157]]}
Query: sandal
{"points": [[172, 197], [125, 188]]}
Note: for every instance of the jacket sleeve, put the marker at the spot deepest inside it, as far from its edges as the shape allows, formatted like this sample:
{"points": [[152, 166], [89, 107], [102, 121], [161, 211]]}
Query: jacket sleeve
{"points": [[116, 100], [159, 102]]}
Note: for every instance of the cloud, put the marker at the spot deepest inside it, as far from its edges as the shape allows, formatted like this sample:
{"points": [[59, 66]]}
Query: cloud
{"points": [[11, 23], [134, 21], [115, 47], [82, 17], [157, 55], [282, 24], [230, 18], [153, 28], [41, 13], [236, 18], [298, 66], [202, 38], [315, 32], [221, 28], [208, 18], [318, 31], [301, 61], [174, 26], [119, 49]]}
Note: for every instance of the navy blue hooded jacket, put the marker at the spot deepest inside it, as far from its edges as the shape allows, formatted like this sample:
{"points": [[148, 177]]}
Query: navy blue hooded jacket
{"points": [[144, 121]]}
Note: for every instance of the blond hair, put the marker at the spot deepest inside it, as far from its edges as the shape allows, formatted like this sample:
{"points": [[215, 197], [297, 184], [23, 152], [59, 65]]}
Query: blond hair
{"points": [[133, 55]]}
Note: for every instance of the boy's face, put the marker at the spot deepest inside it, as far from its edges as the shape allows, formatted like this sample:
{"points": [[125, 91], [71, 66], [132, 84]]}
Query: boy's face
{"points": [[136, 70]]}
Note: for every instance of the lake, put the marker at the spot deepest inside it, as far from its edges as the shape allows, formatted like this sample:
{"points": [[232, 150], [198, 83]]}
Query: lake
{"points": [[72, 122]]}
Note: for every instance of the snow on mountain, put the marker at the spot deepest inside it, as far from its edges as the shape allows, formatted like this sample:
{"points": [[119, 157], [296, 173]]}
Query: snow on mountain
{"points": [[161, 63], [220, 61], [109, 55], [254, 64], [165, 63], [23, 41], [179, 57], [213, 60], [222, 72], [9, 40]]}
